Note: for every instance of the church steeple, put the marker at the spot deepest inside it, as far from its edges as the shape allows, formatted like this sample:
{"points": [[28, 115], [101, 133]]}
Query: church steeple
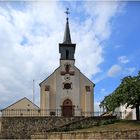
{"points": [[67, 38], [67, 49]]}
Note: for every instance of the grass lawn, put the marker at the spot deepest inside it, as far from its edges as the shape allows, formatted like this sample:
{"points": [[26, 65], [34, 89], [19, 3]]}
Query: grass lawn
{"points": [[119, 125]]}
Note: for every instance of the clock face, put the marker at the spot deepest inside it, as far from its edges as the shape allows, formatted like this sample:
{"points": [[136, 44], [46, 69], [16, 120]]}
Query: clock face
{"points": [[67, 77]]}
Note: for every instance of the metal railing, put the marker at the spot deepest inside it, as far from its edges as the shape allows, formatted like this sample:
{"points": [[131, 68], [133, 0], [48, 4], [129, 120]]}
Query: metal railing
{"points": [[43, 112], [30, 112], [56, 112]]}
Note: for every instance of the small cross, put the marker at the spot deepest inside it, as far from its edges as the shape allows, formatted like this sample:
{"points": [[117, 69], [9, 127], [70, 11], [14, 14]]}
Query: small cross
{"points": [[67, 12]]}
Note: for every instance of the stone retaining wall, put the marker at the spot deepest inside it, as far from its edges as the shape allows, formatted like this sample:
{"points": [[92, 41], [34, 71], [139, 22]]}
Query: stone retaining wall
{"points": [[125, 134], [24, 127]]}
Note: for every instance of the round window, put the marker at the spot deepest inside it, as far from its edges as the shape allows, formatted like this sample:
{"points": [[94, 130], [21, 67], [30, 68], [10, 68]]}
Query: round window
{"points": [[67, 77], [67, 86]]}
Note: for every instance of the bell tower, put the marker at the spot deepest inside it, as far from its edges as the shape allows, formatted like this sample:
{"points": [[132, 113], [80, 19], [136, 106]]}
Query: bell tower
{"points": [[67, 48]]}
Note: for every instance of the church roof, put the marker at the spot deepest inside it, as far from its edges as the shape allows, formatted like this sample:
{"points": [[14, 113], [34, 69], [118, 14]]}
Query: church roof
{"points": [[48, 76], [85, 77], [58, 68]]}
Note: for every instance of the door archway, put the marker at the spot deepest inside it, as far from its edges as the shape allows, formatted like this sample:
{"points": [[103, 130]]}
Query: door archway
{"points": [[67, 108]]}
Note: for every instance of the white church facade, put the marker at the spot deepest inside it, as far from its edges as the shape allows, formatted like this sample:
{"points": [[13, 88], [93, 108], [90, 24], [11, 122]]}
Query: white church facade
{"points": [[67, 92]]}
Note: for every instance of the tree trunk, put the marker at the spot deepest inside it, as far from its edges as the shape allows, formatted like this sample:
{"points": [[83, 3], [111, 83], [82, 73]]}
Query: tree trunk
{"points": [[137, 113]]}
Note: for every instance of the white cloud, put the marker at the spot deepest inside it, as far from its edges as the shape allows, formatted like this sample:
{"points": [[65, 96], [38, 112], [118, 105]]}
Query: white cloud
{"points": [[114, 70], [95, 29], [102, 13], [129, 70], [123, 59], [29, 43], [99, 78]]}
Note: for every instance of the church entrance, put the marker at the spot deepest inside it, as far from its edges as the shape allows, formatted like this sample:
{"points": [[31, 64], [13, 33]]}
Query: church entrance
{"points": [[67, 108]]}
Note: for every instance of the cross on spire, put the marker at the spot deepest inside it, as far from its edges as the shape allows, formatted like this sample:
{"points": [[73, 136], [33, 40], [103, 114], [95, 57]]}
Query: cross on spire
{"points": [[67, 13]]}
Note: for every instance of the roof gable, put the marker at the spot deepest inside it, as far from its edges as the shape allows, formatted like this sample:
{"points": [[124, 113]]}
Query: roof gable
{"points": [[49, 76], [85, 76], [26, 100]]}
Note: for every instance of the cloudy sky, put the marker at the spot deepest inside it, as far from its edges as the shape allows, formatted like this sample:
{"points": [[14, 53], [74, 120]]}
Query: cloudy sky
{"points": [[106, 36]]}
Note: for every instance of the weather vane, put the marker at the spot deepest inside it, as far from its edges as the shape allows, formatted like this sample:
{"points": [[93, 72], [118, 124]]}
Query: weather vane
{"points": [[67, 12]]}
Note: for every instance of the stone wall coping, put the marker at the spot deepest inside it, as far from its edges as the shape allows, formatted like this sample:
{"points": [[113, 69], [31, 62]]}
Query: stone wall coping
{"points": [[71, 132], [118, 134]]}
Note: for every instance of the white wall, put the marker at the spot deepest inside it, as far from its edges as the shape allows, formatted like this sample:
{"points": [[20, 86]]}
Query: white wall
{"points": [[125, 112], [57, 94]]}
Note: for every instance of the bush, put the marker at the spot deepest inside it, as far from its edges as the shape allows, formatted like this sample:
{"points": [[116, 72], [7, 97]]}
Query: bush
{"points": [[105, 122]]}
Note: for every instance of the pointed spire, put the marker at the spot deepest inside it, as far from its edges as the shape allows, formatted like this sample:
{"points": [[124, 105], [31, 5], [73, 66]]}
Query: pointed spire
{"points": [[67, 37]]}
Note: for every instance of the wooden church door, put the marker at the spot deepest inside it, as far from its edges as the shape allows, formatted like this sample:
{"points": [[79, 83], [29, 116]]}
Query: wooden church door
{"points": [[67, 108]]}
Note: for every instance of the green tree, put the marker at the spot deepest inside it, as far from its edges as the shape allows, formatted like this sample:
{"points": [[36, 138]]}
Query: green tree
{"points": [[128, 92], [130, 87], [112, 101]]}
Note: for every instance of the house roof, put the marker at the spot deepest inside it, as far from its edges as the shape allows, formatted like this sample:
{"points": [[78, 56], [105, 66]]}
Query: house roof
{"points": [[20, 101]]}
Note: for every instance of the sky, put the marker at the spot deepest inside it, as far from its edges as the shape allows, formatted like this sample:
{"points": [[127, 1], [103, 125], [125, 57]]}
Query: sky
{"points": [[107, 41]]}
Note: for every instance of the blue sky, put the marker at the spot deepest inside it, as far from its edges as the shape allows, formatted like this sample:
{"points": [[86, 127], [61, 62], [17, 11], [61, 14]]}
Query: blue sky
{"points": [[124, 41], [125, 35], [106, 36]]}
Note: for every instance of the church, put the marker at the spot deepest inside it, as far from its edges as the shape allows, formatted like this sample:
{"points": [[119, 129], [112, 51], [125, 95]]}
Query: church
{"points": [[67, 92]]}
